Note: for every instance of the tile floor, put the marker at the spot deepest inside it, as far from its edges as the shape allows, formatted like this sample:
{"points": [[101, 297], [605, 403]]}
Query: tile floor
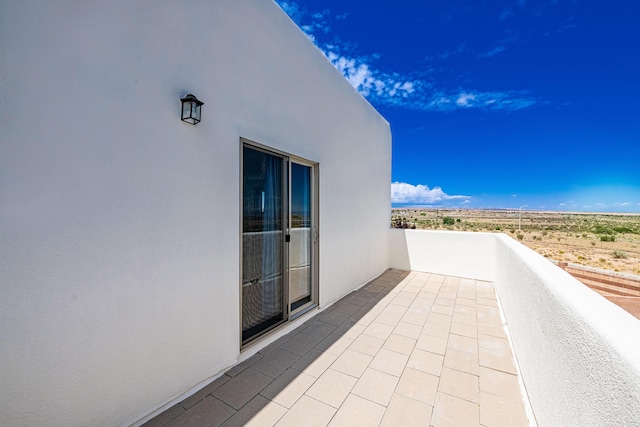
{"points": [[407, 349]]}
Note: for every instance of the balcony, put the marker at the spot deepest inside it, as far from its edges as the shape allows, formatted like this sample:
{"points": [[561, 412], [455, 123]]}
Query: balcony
{"points": [[465, 329]]}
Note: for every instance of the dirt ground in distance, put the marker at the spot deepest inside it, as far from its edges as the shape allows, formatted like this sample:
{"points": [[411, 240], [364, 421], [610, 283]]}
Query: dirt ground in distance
{"points": [[600, 240]]}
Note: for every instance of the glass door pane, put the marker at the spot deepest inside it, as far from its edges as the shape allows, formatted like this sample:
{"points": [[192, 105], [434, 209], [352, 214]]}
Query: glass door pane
{"points": [[300, 247], [263, 226]]}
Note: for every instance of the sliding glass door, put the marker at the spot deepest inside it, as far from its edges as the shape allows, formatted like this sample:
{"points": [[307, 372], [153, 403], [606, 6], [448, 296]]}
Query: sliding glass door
{"points": [[301, 227], [263, 238], [279, 237]]}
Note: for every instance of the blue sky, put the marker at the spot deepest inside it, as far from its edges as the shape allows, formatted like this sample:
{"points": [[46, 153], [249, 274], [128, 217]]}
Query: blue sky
{"points": [[496, 104]]}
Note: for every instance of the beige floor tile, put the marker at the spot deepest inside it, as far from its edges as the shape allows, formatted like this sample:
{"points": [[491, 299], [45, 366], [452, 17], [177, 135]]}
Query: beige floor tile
{"points": [[438, 278], [487, 302], [420, 305], [332, 388], [352, 363], [415, 317], [426, 361], [451, 411], [500, 383], [241, 388], [408, 330], [389, 318], [448, 302], [442, 309], [495, 411], [458, 342], [491, 342], [447, 293], [497, 359], [495, 331], [349, 329], [399, 344], [365, 319], [390, 362], [462, 361], [466, 301], [441, 319], [259, 412], [459, 384], [406, 412], [376, 386], [436, 329], [430, 348], [427, 295], [300, 414], [466, 319], [288, 387], [334, 344], [433, 344], [464, 330], [404, 299], [209, 411], [432, 286], [314, 363], [379, 330], [465, 310], [418, 385], [489, 315], [357, 411], [367, 344]]}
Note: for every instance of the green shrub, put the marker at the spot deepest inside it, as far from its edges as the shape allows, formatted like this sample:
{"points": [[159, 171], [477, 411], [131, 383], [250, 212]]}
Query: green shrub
{"points": [[448, 220], [619, 255], [622, 230], [600, 229], [607, 238], [520, 236]]}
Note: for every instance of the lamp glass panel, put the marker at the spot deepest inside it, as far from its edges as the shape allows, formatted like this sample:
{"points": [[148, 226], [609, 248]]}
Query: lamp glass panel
{"points": [[186, 109]]}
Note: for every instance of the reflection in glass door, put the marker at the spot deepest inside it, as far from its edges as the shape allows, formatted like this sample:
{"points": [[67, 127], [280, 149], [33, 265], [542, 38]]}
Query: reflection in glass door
{"points": [[279, 237], [263, 303], [300, 247]]}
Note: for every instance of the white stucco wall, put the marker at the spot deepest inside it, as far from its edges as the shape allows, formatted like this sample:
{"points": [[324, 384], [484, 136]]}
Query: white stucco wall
{"points": [[119, 224], [579, 354], [455, 253]]}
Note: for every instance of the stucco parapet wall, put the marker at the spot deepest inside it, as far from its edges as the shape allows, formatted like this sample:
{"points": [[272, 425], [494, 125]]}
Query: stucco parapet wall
{"points": [[579, 354]]}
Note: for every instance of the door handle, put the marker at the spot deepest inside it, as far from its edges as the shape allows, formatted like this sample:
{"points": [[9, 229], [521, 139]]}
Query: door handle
{"points": [[315, 234]]}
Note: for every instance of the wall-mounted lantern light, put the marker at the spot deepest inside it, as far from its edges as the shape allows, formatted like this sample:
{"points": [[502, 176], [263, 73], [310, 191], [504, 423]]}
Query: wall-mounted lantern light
{"points": [[191, 108]]}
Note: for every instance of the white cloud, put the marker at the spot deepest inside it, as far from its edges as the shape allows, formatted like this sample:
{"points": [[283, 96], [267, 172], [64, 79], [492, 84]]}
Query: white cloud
{"points": [[621, 204], [369, 82], [508, 100], [401, 192], [493, 52], [393, 88]]}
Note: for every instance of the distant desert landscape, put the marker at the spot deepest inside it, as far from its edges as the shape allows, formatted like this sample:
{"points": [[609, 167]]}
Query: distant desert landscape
{"points": [[600, 240]]}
